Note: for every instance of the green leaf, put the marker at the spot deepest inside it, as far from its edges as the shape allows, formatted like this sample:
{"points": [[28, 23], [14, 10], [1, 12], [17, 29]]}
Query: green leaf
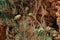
{"points": [[40, 31], [17, 17], [30, 14]]}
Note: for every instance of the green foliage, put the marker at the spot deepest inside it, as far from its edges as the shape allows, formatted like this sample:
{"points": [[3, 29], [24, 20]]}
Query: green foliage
{"points": [[51, 32], [3, 3], [18, 36], [5, 16], [31, 14], [17, 17], [14, 24], [46, 38], [40, 31]]}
